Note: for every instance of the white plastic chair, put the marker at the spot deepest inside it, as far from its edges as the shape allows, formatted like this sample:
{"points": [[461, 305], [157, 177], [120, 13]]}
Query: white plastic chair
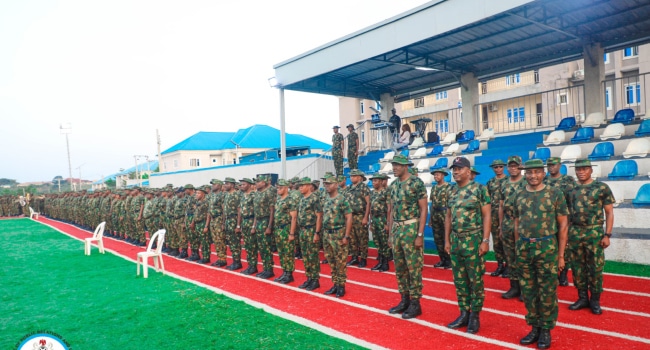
{"points": [[613, 132], [486, 134], [618, 192], [451, 150], [637, 148], [571, 153], [423, 166], [417, 143], [388, 156], [594, 120], [555, 138], [420, 153], [449, 139], [98, 236], [32, 213], [154, 254]]}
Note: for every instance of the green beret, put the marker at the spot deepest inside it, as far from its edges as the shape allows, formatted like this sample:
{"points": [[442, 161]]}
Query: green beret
{"points": [[534, 164], [553, 160], [400, 159], [473, 169], [189, 187], [330, 179], [216, 182], [294, 180], [583, 163], [341, 178], [329, 173], [204, 189], [357, 172], [379, 176], [263, 178], [169, 185], [497, 162]]}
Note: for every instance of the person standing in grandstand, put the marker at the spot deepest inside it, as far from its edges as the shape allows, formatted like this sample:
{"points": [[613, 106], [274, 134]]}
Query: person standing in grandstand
{"points": [[353, 147], [494, 190], [438, 198], [337, 150], [509, 189], [337, 225], [310, 221], [285, 228], [395, 124], [379, 220]]}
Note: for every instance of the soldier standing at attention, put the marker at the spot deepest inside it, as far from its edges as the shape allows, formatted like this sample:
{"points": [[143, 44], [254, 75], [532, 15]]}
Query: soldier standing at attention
{"points": [[353, 147], [215, 199], [294, 192], [564, 183], [407, 219], [264, 208], [285, 225], [509, 189], [379, 220], [587, 240], [169, 219], [438, 199], [494, 190], [540, 218], [310, 221], [148, 212], [231, 216], [359, 199], [247, 220], [337, 225], [337, 150], [467, 239], [192, 238], [137, 207], [179, 238], [201, 223]]}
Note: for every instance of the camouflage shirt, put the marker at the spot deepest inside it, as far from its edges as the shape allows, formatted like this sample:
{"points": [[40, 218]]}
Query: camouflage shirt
{"points": [[231, 203], [379, 203], [465, 204], [586, 203], [283, 208], [337, 143], [149, 207], [404, 197], [564, 183], [136, 202], [538, 211], [190, 205], [509, 191], [357, 197], [334, 211], [353, 139], [215, 201], [201, 208], [307, 210], [263, 202], [439, 195], [494, 190], [246, 204], [179, 207]]}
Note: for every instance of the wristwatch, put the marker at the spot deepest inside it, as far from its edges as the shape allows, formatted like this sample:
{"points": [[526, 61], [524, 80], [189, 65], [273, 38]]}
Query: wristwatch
{"points": [[608, 235], [420, 234], [238, 226], [487, 240]]}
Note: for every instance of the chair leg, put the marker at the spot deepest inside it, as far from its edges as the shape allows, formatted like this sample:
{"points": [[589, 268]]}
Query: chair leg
{"points": [[162, 264], [87, 248], [100, 244], [155, 262], [137, 268], [145, 267]]}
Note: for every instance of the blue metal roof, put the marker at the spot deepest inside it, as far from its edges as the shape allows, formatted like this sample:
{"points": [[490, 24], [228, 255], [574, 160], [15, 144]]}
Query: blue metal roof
{"points": [[141, 167]]}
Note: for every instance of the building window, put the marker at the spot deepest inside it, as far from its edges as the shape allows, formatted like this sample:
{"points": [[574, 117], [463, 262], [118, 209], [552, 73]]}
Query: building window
{"points": [[377, 106], [442, 95], [606, 58], [361, 107], [484, 87], [363, 137], [562, 99], [195, 162], [630, 52], [513, 79], [608, 98], [442, 126], [516, 115], [633, 94], [175, 163], [536, 74], [418, 102]]}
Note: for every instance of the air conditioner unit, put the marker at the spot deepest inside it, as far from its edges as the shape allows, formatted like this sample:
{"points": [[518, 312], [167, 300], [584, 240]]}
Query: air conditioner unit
{"points": [[493, 107], [579, 74]]}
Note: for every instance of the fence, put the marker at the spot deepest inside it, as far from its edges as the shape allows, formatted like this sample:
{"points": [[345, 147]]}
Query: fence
{"points": [[626, 92]]}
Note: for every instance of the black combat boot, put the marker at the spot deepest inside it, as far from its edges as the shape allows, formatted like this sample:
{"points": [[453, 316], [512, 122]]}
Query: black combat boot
{"points": [[173, 252], [582, 302], [195, 256], [265, 274], [531, 337], [414, 309], [313, 285], [544, 341], [298, 254], [380, 259], [282, 276], [353, 261], [499, 269], [461, 321], [514, 291], [506, 272], [447, 263], [288, 278], [236, 265], [402, 306], [384, 264], [562, 278], [594, 303], [441, 263], [305, 284], [219, 263], [340, 291], [362, 263], [183, 254], [331, 290], [474, 323]]}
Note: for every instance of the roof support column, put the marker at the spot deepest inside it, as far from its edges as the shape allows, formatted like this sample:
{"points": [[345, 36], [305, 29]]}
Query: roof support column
{"points": [[283, 138], [469, 96], [387, 103], [594, 76]]}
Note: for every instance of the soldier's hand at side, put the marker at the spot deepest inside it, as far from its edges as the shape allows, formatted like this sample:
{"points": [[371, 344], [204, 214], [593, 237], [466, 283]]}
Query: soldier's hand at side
{"points": [[267, 231], [604, 242], [253, 230], [419, 242], [447, 248], [316, 238], [483, 249], [560, 263], [205, 229], [238, 230], [291, 237], [343, 241], [364, 222], [192, 227]]}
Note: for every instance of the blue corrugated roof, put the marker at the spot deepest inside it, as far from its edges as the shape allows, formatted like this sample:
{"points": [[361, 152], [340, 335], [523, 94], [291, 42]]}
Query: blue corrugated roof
{"points": [[141, 167], [203, 141]]}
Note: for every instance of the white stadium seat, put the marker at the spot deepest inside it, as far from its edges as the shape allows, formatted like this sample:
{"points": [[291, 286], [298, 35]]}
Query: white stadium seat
{"points": [[388, 156], [423, 166], [420, 153], [417, 143], [613, 132], [451, 150], [594, 120], [555, 138], [486, 134], [571, 153], [449, 139], [637, 148]]}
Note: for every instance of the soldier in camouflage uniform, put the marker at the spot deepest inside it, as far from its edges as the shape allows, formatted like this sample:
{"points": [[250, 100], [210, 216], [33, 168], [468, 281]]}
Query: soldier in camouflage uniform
{"points": [[294, 192], [264, 210], [168, 219], [564, 183], [179, 238], [247, 220], [137, 207], [540, 218], [285, 227], [192, 237], [494, 190], [407, 220], [509, 189], [148, 216], [359, 200], [337, 150], [216, 222], [201, 223], [231, 216], [353, 147], [438, 199], [310, 220], [379, 220], [587, 240], [337, 226], [467, 239]]}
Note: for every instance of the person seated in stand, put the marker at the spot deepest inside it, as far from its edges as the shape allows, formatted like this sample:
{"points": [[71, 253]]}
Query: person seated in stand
{"points": [[404, 137]]}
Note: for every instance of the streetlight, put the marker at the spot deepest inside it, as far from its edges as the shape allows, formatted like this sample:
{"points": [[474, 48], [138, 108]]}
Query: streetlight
{"points": [[67, 130]]}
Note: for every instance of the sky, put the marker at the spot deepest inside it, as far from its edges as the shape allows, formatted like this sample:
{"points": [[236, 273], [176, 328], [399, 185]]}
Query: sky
{"points": [[117, 71]]}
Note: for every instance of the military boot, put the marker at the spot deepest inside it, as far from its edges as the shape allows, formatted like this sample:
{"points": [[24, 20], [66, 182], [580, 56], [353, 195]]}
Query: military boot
{"points": [[236, 265], [173, 252], [282, 276], [563, 278], [384, 265], [441, 263], [531, 337], [582, 302], [287, 279], [594, 303], [499, 269], [353, 261], [219, 263], [380, 259], [461, 321], [183, 254], [514, 291], [474, 323], [313, 285], [195, 256], [362, 263], [340, 291], [402, 306], [506, 272], [447, 263], [414, 309], [544, 341], [331, 290], [305, 284]]}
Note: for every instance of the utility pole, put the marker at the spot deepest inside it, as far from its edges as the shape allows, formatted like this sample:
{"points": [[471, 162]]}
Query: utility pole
{"points": [[161, 165], [67, 130], [79, 168]]}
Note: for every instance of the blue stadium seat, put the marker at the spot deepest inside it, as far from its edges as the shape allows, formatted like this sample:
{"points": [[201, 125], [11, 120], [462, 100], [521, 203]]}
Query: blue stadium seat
{"points": [[405, 153], [375, 167], [542, 153], [644, 128], [625, 116], [346, 171], [583, 135], [643, 196], [602, 151], [436, 151], [472, 146], [468, 135], [624, 170], [440, 163], [566, 123], [563, 169]]}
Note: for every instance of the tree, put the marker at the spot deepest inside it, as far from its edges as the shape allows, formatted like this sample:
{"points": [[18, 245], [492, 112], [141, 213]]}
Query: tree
{"points": [[110, 183], [8, 182], [145, 176]]}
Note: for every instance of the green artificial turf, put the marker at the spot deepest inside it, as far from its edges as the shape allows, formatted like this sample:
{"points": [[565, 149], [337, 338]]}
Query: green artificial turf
{"points": [[96, 302]]}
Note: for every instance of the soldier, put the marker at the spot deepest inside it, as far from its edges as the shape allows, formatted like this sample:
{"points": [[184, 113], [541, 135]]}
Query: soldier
{"points": [[353, 147], [285, 227], [467, 239], [247, 219], [494, 190], [438, 199], [137, 207], [168, 222], [337, 225], [263, 208], [540, 216], [379, 220], [474, 173], [407, 219], [564, 183], [148, 212], [359, 199], [587, 240], [509, 189], [337, 150], [294, 192], [192, 237], [201, 223], [179, 237], [310, 220], [216, 222], [231, 216]]}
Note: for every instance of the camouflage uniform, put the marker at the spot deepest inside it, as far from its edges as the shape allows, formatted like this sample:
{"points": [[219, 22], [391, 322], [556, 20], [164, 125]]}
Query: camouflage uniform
{"points": [[307, 209], [247, 218], [509, 191], [230, 205], [137, 202], [216, 224], [337, 153], [334, 212], [537, 252], [282, 226], [148, 216], [353, 140], [438, 198], [201, 209], [192, 238], [359, 236], [378, 219], [494, 190], [178, 239], [262, 204], [296, 195], [467, 265]]}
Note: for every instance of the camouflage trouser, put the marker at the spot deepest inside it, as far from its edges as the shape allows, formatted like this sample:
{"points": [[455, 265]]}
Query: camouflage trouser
{"points": [[310, 252], [508, 241], [250, 241], [408, 259], [352, 161], [336, 254], [202, 238], [468, 269], [192, 238], [338, 163], [115, 223], [139, 229], [296, 241], [218, 237], [587, 257], [497, 244], [359, 237], [537, 262], [438, 227], [264, 242], [179, 234], [233, 238], [379, 234], [286, 248]]}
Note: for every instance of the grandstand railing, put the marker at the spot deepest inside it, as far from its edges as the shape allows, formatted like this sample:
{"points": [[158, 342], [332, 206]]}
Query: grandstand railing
{"points": [[626, 92], [317, 168]]}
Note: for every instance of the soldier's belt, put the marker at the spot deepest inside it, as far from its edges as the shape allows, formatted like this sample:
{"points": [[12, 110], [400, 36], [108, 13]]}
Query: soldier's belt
{"points": [[231, 216], [248, 217], [440, 209], [307, 226], [333, 230], [587, 226], [359, 213], [379, 213], [281, 226], [405, 222], [466, 233], [536, 239], [262, 217]]}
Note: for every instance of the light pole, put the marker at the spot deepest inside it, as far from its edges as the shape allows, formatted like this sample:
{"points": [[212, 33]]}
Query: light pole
{"points": [[67, 130], [79, 168]]}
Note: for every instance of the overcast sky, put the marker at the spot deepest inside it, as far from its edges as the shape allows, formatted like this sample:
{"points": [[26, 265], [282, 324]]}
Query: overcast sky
{"points": [[119, 70]]}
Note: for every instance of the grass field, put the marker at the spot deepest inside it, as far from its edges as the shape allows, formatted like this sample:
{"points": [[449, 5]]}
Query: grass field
{"points": [[97, 302]]}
